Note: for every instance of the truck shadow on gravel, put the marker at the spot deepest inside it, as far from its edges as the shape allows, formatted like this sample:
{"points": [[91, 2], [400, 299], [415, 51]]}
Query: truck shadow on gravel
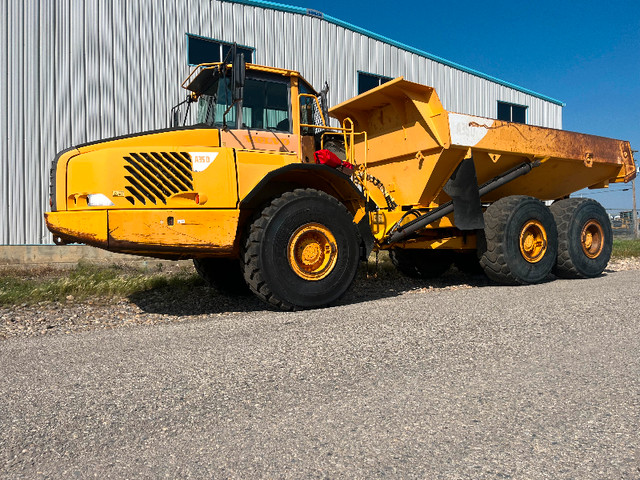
{"points": [[368, 286]]}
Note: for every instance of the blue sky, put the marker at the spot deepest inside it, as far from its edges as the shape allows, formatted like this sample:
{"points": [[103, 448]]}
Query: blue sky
{"points": [[584, 53]]}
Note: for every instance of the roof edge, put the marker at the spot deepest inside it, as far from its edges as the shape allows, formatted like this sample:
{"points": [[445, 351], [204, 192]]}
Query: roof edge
{"points": [[336, 21]]}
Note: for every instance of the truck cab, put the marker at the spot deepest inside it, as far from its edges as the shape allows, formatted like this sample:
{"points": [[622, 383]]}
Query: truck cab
{"points": [[267, 112], [242, 136]]}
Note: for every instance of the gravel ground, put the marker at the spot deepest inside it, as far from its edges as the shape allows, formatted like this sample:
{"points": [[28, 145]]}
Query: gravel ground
{"points": [[450, 382], [158, 307]]}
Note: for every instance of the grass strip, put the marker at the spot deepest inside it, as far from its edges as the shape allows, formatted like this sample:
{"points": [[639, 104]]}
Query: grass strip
{"points": [[87, 280], [625, 248], [116, 281]]}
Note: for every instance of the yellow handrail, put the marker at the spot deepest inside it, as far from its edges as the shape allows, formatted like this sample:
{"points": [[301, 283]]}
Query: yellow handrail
{"points": [[309, 95]]}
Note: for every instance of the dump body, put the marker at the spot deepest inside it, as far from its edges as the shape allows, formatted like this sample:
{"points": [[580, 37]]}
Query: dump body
{"points": [[414, 146]]}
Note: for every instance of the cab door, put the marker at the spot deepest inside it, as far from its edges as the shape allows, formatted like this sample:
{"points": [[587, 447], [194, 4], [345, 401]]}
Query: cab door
{"points": [[265, 122]]}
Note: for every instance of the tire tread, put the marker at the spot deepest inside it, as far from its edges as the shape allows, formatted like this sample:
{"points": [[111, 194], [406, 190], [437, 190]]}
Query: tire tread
{"points": [[494, 258], [250, 249], [564, 212]]}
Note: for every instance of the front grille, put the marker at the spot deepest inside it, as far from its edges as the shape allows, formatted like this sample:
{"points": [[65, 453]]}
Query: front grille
{"points": [[155, 176]]}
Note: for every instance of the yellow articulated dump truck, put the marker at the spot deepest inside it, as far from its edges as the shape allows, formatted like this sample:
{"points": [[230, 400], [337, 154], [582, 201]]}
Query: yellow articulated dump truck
{"points": [[263, 192]]}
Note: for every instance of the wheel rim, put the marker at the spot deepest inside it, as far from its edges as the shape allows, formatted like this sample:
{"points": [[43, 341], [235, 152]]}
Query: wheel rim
{"points": [[312, 251], [592, 239], [533, 241]]}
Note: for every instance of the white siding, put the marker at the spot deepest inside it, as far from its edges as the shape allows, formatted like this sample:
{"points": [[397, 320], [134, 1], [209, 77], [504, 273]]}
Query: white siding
{"points": [[73, 71]]}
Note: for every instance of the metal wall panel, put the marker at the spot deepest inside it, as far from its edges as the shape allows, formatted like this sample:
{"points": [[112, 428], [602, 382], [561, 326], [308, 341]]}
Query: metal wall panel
{"points": [[30, 99], [16, 181], [73, 71], [44, 122], [4, 122], [324, 51]]}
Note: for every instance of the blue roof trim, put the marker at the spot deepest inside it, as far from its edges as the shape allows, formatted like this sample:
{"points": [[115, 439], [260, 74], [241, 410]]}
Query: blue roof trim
{"points": [[368, 33], [274, 5]]}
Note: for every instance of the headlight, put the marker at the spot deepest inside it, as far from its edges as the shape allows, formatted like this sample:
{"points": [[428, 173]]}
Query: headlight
{"points": [[98, 200]]}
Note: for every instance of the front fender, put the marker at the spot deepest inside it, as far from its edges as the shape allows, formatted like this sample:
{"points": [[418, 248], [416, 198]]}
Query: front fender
{"points": [[319, 177]]}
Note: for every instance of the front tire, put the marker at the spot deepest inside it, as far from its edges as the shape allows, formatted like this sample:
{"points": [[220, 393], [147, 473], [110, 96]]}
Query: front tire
{"points": [[585, 238], [302, 251], [521, 241]]}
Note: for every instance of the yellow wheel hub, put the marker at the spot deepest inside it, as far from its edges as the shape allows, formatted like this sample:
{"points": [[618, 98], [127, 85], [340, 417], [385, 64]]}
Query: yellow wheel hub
{"points": [[312, 251], [533, 241], [592, 239]]}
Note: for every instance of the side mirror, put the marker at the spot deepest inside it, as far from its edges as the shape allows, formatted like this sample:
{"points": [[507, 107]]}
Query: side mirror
{"points": [[239, 70], [238, 76]]}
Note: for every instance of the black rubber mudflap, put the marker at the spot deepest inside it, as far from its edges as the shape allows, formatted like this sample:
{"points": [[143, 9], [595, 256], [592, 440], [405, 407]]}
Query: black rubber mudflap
{"points": [[462, 187]]}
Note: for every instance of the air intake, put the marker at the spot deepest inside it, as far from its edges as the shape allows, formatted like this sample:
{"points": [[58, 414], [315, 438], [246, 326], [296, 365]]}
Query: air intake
{"points": [[155, 176]]}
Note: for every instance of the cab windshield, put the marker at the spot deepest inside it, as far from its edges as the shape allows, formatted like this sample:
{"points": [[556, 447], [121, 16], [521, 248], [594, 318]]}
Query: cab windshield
{"points": [[213, 104], [265, 104]]}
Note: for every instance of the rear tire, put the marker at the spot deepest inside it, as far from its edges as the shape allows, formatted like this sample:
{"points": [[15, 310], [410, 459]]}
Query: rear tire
{"points": [[585, 238], [302, 251], [418, 263], [521, 241], [223, 274]]}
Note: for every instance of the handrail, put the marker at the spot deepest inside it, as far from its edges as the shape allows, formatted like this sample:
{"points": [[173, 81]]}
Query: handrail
{"points": [[324, 122]]}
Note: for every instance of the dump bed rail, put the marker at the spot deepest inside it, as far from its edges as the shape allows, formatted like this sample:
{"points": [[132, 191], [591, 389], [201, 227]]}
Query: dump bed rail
{"points": [[415, 145]]}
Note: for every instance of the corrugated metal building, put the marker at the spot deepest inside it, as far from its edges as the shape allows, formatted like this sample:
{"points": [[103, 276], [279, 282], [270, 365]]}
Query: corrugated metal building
{"points": [[74, 71]]}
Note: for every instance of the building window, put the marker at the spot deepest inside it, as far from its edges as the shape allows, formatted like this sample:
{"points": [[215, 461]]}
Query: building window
{"points": [[367, 81], [207, 50], [512, 113]]}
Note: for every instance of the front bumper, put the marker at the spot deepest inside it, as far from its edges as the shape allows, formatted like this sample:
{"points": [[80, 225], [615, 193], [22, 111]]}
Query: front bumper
{"points": [[180, 232], [88, 227]]}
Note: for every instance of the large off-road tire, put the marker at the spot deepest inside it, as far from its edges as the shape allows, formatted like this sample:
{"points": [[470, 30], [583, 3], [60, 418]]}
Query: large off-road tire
{"points": [[418, 263], [223, 274], [302, 251], [521, 241], [585, 238]]}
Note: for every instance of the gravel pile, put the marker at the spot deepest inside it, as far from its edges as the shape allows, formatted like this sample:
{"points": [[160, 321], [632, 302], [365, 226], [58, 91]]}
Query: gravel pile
{"points": [[164, 306]]}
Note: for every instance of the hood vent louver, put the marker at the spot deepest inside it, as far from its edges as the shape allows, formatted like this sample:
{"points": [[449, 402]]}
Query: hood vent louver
{"points": [[155, 176]]}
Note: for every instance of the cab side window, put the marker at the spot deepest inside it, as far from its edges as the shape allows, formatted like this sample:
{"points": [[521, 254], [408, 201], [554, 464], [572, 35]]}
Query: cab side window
{"points": [[266, 105]]}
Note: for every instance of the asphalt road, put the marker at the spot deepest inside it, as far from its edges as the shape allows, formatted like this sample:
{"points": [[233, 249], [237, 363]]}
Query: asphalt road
{"points": [[489, 382]]}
